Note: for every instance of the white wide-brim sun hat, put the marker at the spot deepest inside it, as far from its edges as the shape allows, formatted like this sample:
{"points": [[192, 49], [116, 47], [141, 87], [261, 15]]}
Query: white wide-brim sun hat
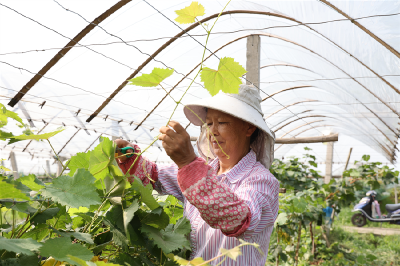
{"points": [[246, 105]]}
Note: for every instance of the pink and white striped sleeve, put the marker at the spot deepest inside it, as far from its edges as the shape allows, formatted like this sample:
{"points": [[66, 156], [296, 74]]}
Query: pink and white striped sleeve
{"points": [[218, 205], [260, 191]]}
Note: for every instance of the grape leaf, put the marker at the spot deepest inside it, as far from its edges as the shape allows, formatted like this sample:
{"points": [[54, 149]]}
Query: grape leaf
{"points": [[47, 214], [9, 191], [101, 157], [300, 205], [80, 160], [4, 114], [78, 235], [75, 191], [157, 218], [231, 253], [32, 182], [188, 14], [182, 226], [167, 241], [146, 193], [5, 135], [60, 248], [91, 263], [38, 233], [41, 136], [281, 219], [225, 79], [128, 214], [194, 262], [153, 79], [25, 246]]}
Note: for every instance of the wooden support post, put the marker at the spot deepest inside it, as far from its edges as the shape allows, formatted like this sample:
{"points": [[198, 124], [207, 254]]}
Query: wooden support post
{"points": [[14, 165], [347, 161], [329, 159], [253, 60], [59, 166], [328, 138], [48, 167]]}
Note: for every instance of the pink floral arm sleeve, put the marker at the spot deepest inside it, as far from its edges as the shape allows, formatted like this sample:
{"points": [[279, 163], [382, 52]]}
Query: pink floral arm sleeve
{"points": [[144, 169], [218, 205]]}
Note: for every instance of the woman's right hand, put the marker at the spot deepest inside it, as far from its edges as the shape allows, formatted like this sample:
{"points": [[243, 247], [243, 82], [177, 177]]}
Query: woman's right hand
{"points": [[122, 144]]}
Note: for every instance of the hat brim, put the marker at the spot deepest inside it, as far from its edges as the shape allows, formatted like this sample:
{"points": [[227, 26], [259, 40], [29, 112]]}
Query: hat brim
{"points": [[196, 113]]}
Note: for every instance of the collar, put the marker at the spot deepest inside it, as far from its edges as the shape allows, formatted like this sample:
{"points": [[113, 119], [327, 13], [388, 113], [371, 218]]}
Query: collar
{"points": [[240, 169]]}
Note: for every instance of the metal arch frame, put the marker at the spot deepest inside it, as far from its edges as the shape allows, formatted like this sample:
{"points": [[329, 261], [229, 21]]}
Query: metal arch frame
{"points": [[390, 154], [387, 46], [285, 107], [65, 50], [396, 134], [308, 49], [209, 18], [301, 118], [309, 117], [306, 111], [269, 35], [394, 144]]}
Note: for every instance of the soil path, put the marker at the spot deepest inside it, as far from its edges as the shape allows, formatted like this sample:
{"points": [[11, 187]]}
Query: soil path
{"points": [[372, 230]]}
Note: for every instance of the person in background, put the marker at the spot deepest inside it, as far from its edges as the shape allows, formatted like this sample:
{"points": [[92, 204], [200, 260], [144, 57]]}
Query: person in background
{"points": [[228, 192]]}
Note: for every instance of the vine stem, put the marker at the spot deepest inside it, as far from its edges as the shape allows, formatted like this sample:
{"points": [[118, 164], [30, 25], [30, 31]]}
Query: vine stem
{"points": [[58, 158], [296, 257], [177, 103], [30, 219]]}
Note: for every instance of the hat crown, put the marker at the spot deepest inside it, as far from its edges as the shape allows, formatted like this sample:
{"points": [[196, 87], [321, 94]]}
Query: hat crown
{"points": [[250, 95]]}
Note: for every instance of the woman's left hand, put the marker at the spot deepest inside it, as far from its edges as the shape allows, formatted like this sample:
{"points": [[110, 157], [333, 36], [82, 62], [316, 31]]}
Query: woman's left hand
{"points": [[176, 142]]}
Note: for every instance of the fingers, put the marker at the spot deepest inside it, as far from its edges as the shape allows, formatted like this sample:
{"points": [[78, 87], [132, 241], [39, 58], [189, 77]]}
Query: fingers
{"points": [[169, 132], [177, 127]]}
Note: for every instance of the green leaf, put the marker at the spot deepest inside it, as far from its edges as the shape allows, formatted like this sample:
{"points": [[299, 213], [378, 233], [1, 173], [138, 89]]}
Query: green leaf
{"points": [[182, 226], [153, 79], [9, 191], [80, 236], [5, 135], [371, 257], [38, 233], [41, 136], [101, 157], [24, 246], [128, 215], [32, 182], [188, 14], [146, 193], [60, 248], [194, 262], [80, 160], [366, 157], [47, 214], [75, 191], [225, 79], [313, 163], [281, 219], [300, 205], [231, 253], [157, 218], [167, 241]]}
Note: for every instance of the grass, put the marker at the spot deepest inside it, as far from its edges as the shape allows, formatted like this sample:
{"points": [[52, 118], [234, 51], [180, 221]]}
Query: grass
{"points": [[385, 248]]}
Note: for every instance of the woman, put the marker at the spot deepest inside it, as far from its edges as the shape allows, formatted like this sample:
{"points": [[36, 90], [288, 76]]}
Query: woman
{"points": [[231, 197]]}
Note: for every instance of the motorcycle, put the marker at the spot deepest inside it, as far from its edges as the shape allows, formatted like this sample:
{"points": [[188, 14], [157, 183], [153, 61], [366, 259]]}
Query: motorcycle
{"points": [[368, 208]]}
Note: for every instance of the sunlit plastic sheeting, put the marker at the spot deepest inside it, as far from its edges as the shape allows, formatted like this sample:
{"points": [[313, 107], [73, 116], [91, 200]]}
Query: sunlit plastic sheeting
{"points": [[347, 78]]}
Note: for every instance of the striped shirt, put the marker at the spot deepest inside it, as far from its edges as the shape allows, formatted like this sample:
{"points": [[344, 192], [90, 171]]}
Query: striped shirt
{"points": [[241, 204]]}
